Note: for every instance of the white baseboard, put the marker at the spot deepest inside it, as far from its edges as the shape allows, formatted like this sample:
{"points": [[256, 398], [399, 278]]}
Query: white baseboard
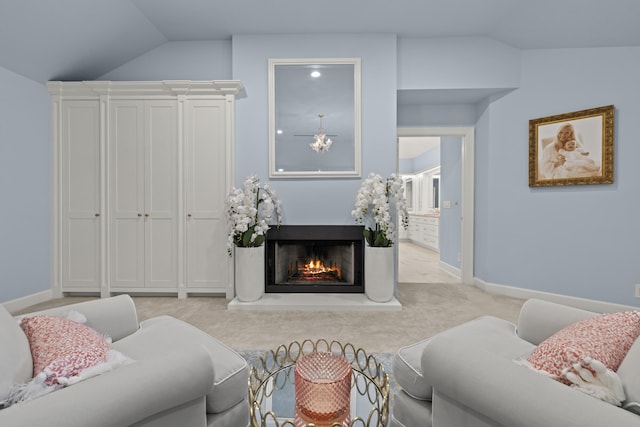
{"points": [[448, 268], [26, 301], [583, 303]]}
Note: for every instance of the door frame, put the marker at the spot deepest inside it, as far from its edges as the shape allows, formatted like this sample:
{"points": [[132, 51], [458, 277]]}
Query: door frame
{"points": [[468, 187]]}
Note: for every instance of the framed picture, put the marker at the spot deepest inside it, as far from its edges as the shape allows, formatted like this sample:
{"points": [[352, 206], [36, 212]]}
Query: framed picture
{"points": [[572, 149]]}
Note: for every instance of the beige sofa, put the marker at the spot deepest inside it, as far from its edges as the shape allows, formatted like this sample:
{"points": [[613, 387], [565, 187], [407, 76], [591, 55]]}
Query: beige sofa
{"points": [[180, 376], [468, 376]]}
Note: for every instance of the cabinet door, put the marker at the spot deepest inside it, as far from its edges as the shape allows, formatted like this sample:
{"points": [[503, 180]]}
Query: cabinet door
{"points": [[205, 169], [160, 194], [80, 196], [126, 136], [143, 144]]}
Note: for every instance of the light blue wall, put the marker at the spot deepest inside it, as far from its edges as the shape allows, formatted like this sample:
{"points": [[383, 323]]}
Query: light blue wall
{"points": [[581, 240], [457, 63], [436, 115], [25, 187], [317, 201]]}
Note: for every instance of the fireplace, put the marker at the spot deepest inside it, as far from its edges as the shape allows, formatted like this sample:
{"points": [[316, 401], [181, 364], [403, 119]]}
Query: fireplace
{"points": [[315, 258]]}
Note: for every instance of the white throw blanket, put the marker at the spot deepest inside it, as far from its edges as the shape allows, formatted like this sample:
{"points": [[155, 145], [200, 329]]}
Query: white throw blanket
{"points": [[593, 378]]}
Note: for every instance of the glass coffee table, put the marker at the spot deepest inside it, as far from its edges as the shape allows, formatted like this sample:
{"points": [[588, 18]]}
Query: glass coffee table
{"points": [[272, 387]]}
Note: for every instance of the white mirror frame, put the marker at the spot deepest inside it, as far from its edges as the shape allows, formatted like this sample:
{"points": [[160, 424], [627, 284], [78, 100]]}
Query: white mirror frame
{"points": [[352, 173]]}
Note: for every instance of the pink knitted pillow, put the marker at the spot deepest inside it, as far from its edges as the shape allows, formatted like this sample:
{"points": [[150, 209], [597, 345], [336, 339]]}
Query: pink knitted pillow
{"points": [[63, 347], [606, 338]]}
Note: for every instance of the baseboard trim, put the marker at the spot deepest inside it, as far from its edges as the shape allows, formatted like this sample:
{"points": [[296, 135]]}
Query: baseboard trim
{"points": [[583, 303], [448, 268], [27, 301]]}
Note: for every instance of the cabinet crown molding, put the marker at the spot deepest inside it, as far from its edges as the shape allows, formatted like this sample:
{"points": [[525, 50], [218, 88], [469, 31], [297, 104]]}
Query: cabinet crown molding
{"points": [[147, 88]]}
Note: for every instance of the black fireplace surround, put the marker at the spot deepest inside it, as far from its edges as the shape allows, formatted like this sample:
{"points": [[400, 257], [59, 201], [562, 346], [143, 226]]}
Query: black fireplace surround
{"points": [[314, 259]]}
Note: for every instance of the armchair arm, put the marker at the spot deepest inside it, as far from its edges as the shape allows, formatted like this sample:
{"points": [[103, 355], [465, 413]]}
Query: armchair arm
{"points": [[114, 316], [123, 396], [510, 394]]}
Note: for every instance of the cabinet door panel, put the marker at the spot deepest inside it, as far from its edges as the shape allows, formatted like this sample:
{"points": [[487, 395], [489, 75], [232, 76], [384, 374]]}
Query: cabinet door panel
{"points": [[207, 258], [127, 261], [81, 257], [127, 158], [206, 158], [207, 262], [160, 158], [80, 195], [127, 193], [160, 253], [161, 194]]}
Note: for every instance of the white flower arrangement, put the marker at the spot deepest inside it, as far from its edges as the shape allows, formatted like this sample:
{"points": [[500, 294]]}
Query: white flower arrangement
{"points": [[249, 210], [374, 211]]}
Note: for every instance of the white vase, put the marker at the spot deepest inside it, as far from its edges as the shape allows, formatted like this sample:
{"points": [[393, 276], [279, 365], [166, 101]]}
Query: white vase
{"points": [[249, 264], [378, 273]]}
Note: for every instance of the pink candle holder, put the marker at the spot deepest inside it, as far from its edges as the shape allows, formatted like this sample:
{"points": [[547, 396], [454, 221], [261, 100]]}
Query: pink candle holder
{"points": [[322, 388]]}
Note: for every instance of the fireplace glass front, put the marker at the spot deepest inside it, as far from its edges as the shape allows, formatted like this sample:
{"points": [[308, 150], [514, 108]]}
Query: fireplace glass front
{"points": [[320, 263], [313, 260]]}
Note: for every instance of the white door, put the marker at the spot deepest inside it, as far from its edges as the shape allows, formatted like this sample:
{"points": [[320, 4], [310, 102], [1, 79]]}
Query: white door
{"points": [[143, 156], [80, 195], [205, 170]]}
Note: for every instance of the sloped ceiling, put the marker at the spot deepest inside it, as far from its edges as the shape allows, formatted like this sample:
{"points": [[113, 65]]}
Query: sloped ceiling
{"points": [[83, 39], [72, 39]]}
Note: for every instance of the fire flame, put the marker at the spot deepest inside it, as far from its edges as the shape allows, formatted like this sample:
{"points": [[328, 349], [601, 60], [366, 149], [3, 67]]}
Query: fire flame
{"points": [[317, 266]]}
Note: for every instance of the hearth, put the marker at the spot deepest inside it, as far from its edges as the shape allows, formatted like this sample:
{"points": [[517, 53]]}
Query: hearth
{"points": [[315, 258]]}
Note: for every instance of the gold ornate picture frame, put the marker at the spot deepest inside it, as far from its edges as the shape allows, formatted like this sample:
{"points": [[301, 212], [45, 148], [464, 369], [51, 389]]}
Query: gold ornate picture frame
{"points": [[572, 149]]}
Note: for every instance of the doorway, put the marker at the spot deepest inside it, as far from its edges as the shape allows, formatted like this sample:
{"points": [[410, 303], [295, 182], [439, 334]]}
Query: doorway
{"points": [[434, 205]]}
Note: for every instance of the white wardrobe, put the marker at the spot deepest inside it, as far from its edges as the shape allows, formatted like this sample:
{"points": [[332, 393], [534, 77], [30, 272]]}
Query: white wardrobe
{"points": [[140, 174]]}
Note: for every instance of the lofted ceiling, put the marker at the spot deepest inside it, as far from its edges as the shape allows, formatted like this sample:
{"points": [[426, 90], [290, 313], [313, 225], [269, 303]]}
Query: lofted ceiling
{"points": [[84, 39]]}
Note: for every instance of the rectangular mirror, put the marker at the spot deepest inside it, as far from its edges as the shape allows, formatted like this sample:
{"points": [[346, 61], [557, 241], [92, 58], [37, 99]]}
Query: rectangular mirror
{"points": [[314, 118]]}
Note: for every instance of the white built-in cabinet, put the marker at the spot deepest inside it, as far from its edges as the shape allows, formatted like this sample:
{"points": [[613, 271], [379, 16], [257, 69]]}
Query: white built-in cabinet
{"points": [[424, 230], [141, 171]]}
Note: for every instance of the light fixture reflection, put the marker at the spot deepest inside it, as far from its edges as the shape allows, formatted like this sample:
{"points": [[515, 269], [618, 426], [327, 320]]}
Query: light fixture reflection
{"points": [[321, 142]]}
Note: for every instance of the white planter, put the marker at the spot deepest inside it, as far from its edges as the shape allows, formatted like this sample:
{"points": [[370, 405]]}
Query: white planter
{"points": [[378, 273], [249, 265]]}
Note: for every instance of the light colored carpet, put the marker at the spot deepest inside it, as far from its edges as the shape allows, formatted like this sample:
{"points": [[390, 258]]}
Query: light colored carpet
{"points": [[427, 309], [420, 265]]}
